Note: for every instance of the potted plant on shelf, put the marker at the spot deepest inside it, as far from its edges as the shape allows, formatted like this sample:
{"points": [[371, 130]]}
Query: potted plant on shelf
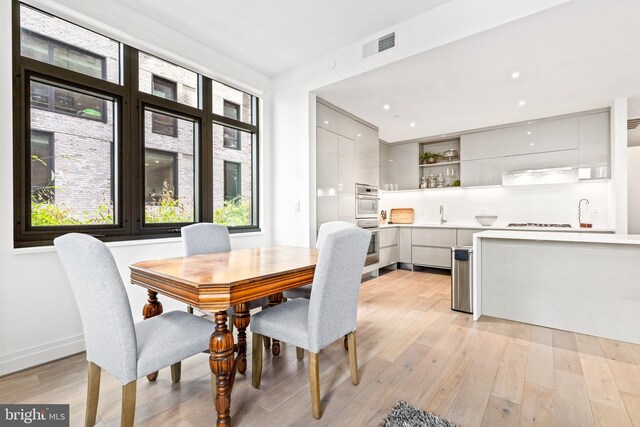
{"points": [[429, 157]]}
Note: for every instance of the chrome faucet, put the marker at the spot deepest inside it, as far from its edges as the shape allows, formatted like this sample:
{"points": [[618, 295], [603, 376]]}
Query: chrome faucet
{"points": [[442, 220]]}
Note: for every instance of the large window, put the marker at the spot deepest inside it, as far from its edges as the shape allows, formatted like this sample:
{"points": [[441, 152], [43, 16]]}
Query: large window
{"points": [[122, 144]]}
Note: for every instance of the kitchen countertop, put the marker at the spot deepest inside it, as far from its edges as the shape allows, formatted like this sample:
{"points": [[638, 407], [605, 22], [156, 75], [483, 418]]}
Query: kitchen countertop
{"points": [[619, 239], [503, 227]]}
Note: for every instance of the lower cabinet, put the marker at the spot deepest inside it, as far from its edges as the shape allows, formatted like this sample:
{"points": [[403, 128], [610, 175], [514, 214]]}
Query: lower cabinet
{"points": [[431, 256], [388, 255], [404, 245]]}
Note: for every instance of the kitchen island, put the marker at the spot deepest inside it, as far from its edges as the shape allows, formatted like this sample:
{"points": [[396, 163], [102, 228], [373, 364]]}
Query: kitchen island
{"points": [[580, 282]]}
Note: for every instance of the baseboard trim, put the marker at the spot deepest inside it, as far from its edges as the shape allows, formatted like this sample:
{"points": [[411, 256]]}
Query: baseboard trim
{"points": [[43, 353]]}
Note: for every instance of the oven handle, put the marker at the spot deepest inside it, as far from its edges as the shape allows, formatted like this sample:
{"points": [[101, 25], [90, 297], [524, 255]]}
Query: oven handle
{"points": [[360, 196]]}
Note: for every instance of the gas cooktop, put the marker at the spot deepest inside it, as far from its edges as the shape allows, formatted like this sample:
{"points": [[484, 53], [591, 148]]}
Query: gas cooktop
{"points": [[538, 225]]}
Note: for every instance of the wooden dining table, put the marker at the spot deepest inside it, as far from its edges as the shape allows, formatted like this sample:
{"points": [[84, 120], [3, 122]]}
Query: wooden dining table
{"points": [[215, 282]]}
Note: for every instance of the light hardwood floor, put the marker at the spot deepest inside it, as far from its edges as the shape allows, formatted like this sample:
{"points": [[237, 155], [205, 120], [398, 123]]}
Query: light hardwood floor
{"points": [[411, 346]]}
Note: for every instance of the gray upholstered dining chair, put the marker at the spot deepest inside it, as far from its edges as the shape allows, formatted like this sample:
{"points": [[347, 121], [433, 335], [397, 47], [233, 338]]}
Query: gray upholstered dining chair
{"points": [[330, 313], [126, 349], [207, 238], [325, 229]]}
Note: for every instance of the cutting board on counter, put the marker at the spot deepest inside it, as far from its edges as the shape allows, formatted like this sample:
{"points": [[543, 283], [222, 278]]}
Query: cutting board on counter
{"points": [[401, 216]]}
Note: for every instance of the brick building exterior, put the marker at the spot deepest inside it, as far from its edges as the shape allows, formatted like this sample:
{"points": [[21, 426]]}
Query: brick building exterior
{"points": [[81, 138]]}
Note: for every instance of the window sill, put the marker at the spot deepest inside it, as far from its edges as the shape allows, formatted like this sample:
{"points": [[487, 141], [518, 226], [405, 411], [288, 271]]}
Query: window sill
{"points": [[141, 242]]}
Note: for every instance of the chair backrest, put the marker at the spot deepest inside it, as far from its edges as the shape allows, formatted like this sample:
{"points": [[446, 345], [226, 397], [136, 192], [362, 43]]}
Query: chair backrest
{"points": [[328, 228], [205, 238], [333, 304], [109, 332]]}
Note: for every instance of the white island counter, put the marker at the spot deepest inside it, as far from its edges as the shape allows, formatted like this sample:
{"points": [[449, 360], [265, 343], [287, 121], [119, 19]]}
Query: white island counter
{"points": [[579, 282]]}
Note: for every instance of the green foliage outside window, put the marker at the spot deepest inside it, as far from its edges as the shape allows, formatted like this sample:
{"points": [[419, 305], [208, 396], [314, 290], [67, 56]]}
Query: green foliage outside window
{"points": [[235, 212]]}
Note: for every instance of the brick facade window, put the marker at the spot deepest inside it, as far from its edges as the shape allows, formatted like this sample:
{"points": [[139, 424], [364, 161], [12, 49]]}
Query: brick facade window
{"points": [[118, 143]]}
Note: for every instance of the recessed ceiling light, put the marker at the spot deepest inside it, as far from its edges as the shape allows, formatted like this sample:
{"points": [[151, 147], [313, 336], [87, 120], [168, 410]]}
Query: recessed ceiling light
{"points": [[412, 124], [515, 74], [532, 144], [529, 133], [358, 135], [522, 103], [146, 164], [443, 136], [529, 123], [157, 161], [386, 106], [326, 122]]}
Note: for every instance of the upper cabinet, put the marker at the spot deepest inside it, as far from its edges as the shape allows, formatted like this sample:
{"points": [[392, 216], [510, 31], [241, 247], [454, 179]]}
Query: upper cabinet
{"points": [[367, 141], [481, 145], [595, 146], [328, 118], [541, 136], [403, 169]]}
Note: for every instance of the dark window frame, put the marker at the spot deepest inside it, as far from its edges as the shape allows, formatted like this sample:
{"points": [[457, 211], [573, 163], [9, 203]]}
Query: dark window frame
{"points": [[154, 117], [52, 90], [128, 158], [51, 162], [238, 167]]}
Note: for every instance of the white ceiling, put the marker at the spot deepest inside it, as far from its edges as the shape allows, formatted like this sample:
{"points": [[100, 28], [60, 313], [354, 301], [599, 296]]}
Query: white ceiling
{"points": [[275, 36], [574, 57]]}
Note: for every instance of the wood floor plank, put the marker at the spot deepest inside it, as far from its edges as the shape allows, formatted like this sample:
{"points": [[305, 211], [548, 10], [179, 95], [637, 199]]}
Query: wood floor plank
{"points": [[632, 403], [572, 400], [509, 381], [540, 361], [565, 352], [538, 406], [500, 412]]}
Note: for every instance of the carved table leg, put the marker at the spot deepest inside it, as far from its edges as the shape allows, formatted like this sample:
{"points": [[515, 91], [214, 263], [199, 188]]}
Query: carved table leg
{"points": [[241, 321], [152, 308], [275, 299], [221, 362]]}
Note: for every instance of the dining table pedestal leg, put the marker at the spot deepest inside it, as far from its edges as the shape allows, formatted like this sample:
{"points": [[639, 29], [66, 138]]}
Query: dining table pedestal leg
{"points": [[275, 299], [152, 308], [222, 364], [241, 322]]}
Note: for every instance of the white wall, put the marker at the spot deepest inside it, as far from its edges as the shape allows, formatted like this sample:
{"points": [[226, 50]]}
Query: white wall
{"points": [[633, 156], [294, 138], [556, 203], [38, 316]]}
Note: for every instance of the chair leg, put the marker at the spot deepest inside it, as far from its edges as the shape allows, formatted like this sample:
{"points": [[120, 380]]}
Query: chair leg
{"points": [[314, 384], [190, 309], [128, 404], [267, 342], [230, 323], [256, 361], [353, 358], [176, 370], [93, 392], [300, 353]]}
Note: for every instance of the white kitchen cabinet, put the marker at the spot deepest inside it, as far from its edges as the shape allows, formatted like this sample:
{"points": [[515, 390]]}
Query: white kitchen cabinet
{"points": [[383, 162], [541, 168], [433, 237], [481, 145], [327, 118], [367, 142], [464, 236], [476, 173], [388, 256], [347, 126], [388, 237], [367, 170], [346, 166], [431, 256], [403, 165], [539, 137], [326, 175], [595, 146], [404, 245]]}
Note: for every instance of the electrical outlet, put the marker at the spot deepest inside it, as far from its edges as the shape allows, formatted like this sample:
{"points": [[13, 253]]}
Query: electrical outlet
{"points": [[296, 206]]}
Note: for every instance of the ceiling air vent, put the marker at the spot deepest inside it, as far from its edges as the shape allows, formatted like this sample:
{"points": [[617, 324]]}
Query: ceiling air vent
{"points": [[380, 45], [633, 123]]}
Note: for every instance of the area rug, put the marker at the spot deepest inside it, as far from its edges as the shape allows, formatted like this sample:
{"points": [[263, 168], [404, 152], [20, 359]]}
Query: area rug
{"points": [[406, 415]]}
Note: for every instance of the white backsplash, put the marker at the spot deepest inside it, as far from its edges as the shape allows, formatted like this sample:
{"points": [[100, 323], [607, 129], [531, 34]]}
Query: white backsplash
{"points": [[557, 203]]}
